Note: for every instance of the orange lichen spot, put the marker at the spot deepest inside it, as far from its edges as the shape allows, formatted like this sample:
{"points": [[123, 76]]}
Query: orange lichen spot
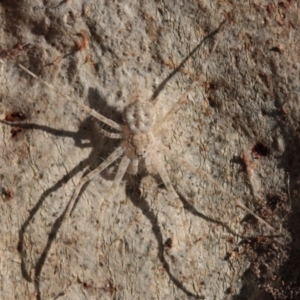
{"points": [[248, 164], [83, 43]]}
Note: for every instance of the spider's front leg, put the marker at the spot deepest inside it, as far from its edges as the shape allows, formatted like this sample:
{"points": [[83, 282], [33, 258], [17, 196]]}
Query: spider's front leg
{"points": [[87, 109]]}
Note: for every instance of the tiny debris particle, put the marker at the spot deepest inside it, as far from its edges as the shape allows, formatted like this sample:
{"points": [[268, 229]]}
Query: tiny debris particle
{"points": [[15, 131], [277, 49], [7, 193], [15, 117], [8, 53], [259, 149], [83, 43], [248, 164], [169, 243]]}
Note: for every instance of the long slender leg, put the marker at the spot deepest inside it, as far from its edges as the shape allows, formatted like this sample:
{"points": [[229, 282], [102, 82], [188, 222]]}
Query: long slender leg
{"points": [[120, 173], [112, 135], [133, 168], [182, 99], [185, 164], [158, 165], [161, 170], [176, 106], [148, 163], [110, 159], [81, 105]]}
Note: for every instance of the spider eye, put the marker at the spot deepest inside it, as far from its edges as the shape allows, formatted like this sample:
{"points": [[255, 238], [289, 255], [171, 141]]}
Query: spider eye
{"points": [[140, 153]]}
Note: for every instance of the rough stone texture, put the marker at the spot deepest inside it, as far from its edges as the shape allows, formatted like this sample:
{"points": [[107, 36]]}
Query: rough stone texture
{"points": [[241, 126]]}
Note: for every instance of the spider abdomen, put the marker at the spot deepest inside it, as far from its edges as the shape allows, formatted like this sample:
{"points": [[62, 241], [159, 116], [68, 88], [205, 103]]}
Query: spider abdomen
{"points": [[139, 116]]}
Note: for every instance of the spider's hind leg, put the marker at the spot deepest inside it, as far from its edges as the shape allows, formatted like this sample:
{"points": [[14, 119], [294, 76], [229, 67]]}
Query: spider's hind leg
{"points": [[202, 173], [120, 173], [109, 160], [181, 231], [133, 166], [161, 170]]}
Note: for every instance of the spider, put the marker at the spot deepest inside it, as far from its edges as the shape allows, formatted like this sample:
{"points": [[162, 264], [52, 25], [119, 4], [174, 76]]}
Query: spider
{"points": [[139, 143]]}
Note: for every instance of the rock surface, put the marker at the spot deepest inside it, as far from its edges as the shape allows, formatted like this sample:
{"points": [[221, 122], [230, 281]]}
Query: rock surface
{"points": [[240, 125]]}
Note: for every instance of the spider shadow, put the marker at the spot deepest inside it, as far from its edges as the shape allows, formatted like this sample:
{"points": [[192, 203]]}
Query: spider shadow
{"points": [[101, 147], [141, 203]]}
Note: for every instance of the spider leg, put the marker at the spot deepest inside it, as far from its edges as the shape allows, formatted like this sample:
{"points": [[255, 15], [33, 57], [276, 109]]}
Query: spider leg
{"points": [[176, 106], [112, 135], [185, 164], [158, 166], [133, 168], [120, 173], [161, 170], [182, 99], [125, 161], [109, 160], [87, 109], [148, 163]]}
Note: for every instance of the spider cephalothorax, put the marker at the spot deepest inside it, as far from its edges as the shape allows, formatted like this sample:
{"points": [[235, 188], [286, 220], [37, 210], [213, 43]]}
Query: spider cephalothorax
{"points": [[140, 143]]}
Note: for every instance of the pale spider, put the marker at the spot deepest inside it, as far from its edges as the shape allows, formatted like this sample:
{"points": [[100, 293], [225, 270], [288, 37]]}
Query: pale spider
{"points": [[139, 142]]}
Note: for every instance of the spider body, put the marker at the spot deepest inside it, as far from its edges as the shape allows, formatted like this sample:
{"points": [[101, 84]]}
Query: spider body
{"points": [[139, 142], [139, 117]]}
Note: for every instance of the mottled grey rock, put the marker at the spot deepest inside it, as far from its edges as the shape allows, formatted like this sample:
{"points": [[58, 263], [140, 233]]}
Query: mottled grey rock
{"points": [[240, 126]]}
